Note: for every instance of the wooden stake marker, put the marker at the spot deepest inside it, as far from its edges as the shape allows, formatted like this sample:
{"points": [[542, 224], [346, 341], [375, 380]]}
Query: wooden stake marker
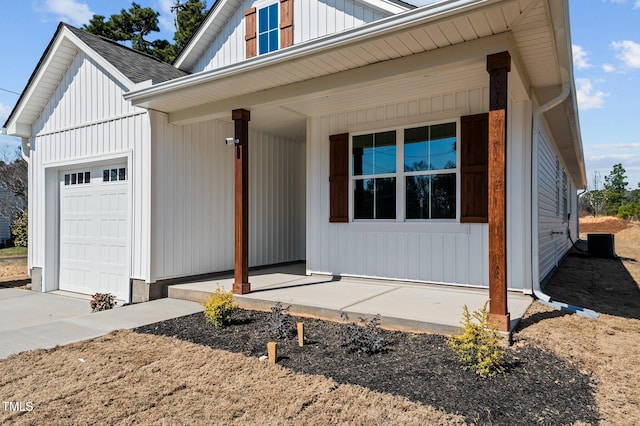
{"points": [[300, 334], [272, 350]]}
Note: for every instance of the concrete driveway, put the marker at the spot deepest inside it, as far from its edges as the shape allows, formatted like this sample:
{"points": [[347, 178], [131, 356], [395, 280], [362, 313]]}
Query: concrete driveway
{"points": [[33, 320]]}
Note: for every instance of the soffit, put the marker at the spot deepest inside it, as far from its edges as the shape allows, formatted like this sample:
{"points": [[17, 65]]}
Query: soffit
{"points": [[369, 45]]}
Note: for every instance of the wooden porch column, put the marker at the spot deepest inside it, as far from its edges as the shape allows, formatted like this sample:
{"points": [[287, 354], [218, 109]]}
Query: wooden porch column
{"points": [[498, 67], [241, 284]]}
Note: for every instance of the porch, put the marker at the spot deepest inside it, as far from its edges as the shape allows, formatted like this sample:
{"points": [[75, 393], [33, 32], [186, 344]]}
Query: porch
{"points": [[401, 305]]}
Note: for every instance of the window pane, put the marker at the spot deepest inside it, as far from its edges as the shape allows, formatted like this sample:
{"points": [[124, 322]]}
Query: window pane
{"points": [[122, 174], [443, 196], [385, 198], [80, 177], [363, 198], [385, 152], [374, 198], [273, 40], [362, 155], [105, 175], [416, 149], [67, 179], [73, 178], [443, 146], [273, 16], [430, 148], [374, 154], [87, 177], [263, 19], [417, 197], [431, 196], [114, 175], [263, 42]]}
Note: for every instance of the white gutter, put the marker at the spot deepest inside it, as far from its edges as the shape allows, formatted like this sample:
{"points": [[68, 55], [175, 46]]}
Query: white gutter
{"points": [[542, 297], [411, 18]]}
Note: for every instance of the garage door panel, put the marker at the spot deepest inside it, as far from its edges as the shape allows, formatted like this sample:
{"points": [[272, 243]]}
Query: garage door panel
{"points": [[94, 233]]}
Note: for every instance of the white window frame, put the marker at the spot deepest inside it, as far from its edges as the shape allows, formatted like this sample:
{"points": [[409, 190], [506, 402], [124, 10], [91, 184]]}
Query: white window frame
{"points": [[400, 175], [262, 5]]}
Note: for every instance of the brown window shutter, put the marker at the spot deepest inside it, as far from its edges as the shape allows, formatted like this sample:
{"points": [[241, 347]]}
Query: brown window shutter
{"points": [[250, 32], [286, 23], [339, 178], [474, 169]]}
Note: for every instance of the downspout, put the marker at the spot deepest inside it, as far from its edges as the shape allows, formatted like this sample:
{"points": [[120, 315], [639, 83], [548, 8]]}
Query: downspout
{"points": [[578, 208], [544, 298]]}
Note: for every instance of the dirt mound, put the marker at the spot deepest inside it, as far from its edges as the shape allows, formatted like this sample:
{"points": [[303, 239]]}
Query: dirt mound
{"points": [[602, 224]]}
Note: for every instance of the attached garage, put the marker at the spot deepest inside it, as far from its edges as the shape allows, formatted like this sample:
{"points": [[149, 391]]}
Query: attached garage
{"points": [[94, 231]]}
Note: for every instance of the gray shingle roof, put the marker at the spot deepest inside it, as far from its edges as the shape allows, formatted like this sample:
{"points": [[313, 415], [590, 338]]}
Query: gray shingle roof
{"points": [[136, 66]]}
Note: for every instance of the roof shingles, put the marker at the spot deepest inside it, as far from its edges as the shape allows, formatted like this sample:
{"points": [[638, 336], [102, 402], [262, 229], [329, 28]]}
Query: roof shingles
{"points": [[136, 66]]}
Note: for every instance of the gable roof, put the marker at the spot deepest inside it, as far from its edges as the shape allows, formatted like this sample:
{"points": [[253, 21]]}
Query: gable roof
{"points": [[130, 67], [222, 10]]}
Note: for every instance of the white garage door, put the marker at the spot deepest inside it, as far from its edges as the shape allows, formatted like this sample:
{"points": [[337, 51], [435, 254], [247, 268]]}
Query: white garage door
{"points": [[94, 231]]}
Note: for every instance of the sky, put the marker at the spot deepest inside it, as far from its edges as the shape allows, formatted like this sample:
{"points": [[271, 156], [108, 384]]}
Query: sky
{"points": [[606, 53]]}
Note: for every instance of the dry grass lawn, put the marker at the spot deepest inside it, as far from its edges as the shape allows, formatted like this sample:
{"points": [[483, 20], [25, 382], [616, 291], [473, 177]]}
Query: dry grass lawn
{"points": [[129, 378], [608, 347]]}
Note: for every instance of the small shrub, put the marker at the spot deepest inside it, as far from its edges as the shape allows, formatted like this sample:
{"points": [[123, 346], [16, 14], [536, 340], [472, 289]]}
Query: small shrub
{"points": [[363, 338], [20, 230], [279, 322], [102, 302], [219, 307], [479, 348]]}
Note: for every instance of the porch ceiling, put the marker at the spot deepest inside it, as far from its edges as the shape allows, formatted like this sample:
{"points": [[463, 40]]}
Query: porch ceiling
{"points": [[425, 29], [416, 45]]}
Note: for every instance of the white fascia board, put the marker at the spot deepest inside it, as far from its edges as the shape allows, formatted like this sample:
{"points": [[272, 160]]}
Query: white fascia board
{"points": [[14, 126], [212, 17], [222, 5], [411, 66], [559, 11], [411, 18], [18, 129], [388, 6]]}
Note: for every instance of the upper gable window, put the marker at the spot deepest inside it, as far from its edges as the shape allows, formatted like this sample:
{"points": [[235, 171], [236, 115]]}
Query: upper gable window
{"points": [[268, 28]]}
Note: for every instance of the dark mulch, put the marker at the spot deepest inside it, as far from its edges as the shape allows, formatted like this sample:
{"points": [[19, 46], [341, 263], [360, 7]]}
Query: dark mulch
{"points": [[537, 387]]}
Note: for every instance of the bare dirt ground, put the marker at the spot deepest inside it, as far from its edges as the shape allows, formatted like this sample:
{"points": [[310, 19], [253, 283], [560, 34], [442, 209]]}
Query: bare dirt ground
{"points": [[13, 272], [608, 347], [135, 378]]}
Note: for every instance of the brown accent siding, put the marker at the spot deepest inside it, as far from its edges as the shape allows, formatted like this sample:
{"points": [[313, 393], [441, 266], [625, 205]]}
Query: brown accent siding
{"points": [[250, 32], [474, 169], [286, 23], [339, 178]]}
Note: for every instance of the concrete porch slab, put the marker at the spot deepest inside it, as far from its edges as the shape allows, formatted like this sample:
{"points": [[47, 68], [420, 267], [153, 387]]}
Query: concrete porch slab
{"points": [[401, 305]]}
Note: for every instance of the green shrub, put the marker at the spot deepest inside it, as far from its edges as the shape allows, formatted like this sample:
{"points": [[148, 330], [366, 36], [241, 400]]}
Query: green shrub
{"points": [[363, 338], [219, 307], [102, 302], [20, 230], [279, 322], [479, 348]]}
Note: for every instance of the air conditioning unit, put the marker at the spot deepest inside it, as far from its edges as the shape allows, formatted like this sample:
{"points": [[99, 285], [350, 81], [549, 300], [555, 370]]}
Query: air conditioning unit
{"points": [[601, 245]]}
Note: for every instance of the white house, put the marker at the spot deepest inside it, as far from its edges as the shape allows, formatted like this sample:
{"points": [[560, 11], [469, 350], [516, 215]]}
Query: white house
{"points": [[370, 138]]}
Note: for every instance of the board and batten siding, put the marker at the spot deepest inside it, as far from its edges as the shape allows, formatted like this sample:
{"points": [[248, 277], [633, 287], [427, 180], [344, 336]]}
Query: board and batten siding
{"points": [[553, 242], [311, 19], [428, 252], [449, 253], [87, 120], [193, 199]]}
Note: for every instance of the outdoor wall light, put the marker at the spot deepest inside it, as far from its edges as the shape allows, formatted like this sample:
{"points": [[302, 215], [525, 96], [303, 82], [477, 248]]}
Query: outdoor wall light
{"points": [[231, 141]]}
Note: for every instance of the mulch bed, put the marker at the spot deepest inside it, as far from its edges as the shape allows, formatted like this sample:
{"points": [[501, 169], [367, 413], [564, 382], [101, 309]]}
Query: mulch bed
{"points": [[537, 387]]}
